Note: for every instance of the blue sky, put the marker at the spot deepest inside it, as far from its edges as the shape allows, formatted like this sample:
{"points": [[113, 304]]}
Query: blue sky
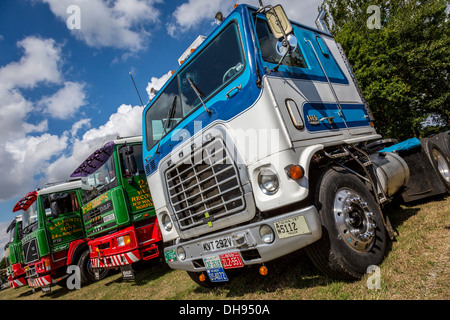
{"points": [[65, 92]]}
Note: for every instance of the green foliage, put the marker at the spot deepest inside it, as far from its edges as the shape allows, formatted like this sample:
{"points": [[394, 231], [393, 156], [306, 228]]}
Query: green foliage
{"points": [[403, 67]]}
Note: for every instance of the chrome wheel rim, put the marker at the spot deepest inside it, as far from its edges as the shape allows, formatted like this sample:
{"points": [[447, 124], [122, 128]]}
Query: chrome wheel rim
{"points": [[442, 165], [354, 220]]}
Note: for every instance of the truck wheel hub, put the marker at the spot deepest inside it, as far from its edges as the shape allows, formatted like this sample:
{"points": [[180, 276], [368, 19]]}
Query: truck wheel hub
{"points": [[354, 220]]}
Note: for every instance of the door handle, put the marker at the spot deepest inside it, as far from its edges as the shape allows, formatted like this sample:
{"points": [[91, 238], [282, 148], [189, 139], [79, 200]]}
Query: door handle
{"points": [[330, 119], [238, 88]]}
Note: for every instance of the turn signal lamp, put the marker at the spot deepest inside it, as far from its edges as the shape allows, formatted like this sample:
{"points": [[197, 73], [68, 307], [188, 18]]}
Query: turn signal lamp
{"points": [[263, 271], [296, 172], [202, 277], [123, 240], [47, 264]]}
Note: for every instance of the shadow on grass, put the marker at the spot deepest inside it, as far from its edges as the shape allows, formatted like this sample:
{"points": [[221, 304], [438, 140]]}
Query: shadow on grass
{"points": [[399, 212], [145, 272], [292, 271]]}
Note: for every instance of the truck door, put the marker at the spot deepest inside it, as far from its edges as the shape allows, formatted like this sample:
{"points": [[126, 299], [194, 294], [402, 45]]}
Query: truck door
{"points": [[135, 183], [63, 219], [315, 97]]}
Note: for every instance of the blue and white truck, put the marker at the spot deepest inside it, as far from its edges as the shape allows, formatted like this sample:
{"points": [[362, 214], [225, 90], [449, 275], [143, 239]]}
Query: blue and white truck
{"points": [[261, 143]]}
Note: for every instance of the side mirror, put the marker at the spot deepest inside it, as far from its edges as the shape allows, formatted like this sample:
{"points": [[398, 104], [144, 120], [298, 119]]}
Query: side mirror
{"points": [[54, 209], [278, 22], [130, 161]]}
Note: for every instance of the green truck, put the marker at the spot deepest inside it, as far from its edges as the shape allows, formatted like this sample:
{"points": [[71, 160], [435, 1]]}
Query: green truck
{"points": [[13, 253], [54, 236], [118, 211]]}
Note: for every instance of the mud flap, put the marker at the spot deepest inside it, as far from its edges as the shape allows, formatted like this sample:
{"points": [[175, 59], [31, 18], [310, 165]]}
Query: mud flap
{"points": [[46, 289], [127, 272]]}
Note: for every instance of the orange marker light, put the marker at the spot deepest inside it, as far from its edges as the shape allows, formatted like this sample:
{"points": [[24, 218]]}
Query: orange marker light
{"points": [[202, 277], [296, 172], [263, 271]]}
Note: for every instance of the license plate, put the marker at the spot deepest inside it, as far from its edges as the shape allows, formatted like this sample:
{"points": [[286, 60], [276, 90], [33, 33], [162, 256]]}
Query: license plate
{"points": [[217, 244], [291, 227], [109, 217], [170, 256], [231, 260], [214, 269]]}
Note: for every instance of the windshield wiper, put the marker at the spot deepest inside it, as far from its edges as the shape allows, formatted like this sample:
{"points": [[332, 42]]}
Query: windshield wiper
{"points": [[170, 115], [199, 94], [25, 230]]}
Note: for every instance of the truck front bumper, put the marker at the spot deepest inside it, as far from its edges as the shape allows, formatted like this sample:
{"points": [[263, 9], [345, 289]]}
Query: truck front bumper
{"points": [[248, 242], [43, 281]]}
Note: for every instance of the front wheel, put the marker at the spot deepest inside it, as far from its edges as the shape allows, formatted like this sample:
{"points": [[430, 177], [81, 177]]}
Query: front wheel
{"points": [[354, 236], [87, 273]]}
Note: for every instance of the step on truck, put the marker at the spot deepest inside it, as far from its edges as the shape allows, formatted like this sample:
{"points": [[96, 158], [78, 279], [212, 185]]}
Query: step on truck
{"points": [[13, 254], [260, 144], [54, 236], [118, 212]]}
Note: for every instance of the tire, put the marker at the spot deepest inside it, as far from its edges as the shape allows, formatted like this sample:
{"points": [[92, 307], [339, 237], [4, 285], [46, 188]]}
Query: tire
{"points": [[443, 141], [353, 236], [440, 162], [87, 274]]}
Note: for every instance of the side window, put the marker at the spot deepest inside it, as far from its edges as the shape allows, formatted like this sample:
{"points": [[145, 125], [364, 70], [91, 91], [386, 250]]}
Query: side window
{"points": [[67, 202], [157, 115], [137, 154], [216, 66], [267, 44]]}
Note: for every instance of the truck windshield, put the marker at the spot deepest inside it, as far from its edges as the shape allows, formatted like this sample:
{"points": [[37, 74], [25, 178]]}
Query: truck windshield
{"points": [[100, 181], [29, 218], [213, 68]]}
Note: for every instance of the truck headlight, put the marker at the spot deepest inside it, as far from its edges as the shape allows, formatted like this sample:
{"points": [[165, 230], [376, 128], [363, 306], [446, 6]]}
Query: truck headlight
{"points": [[181, 253], [268, 181], [266, 233], [123, 240], [166, 222]]}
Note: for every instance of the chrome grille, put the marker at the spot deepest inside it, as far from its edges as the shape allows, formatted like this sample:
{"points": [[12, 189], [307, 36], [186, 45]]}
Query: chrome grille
{"points": [[204, 186]]}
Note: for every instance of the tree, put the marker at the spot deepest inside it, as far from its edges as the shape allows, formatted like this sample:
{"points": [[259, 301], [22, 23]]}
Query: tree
{"points": [[402, 66]]}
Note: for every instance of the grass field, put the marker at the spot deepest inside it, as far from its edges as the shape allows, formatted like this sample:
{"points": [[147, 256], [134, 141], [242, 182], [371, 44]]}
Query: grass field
{"points": [[416, 268]]}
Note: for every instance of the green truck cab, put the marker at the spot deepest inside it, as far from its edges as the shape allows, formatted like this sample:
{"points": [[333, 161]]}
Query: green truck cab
{"points": [[54, 236], [118, 212], [13, 253]]}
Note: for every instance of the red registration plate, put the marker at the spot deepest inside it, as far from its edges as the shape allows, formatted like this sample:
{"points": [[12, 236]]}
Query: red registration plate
{"points": [[231, 260]]}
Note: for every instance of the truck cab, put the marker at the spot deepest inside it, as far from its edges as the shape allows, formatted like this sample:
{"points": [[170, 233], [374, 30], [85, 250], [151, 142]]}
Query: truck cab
{"points": [[54, 235], [14, 255], [117, 208]]}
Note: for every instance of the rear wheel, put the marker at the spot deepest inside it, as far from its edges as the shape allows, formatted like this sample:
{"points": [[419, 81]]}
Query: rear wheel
{"points": [[440, 162], [354, 236]]}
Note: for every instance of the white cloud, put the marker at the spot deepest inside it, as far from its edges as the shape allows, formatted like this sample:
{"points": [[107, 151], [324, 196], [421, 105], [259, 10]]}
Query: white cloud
{"points": [[192, 13], [39, 63], [108, 23], [24, 159], [66, 101], [157, 83], [127, 121], [4, 237], [78, 125], [26, 148]]}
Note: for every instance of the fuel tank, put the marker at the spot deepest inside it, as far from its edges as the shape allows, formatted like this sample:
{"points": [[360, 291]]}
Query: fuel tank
{"points": [[392, 171]]}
